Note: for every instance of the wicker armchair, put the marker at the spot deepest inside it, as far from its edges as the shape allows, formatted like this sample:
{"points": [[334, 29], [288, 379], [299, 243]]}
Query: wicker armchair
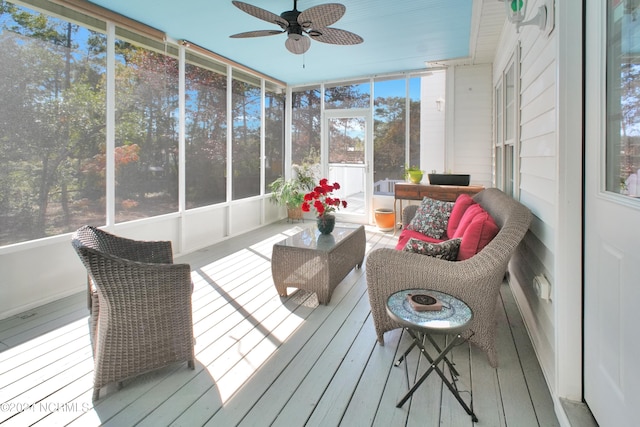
{"points": [[476, 280], [140, 305]]}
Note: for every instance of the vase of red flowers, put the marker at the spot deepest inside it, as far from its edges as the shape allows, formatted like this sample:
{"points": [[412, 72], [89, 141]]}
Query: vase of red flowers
{"points": [[324, 203], [326, 223]]}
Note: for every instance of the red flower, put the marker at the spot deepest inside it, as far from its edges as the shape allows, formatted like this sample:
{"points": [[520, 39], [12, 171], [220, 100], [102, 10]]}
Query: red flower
{"points": [[320, 198], [318, 190], [319, 206]]}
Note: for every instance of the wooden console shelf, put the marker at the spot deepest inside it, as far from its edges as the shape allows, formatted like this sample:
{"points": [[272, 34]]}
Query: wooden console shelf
{"points": [[447, 193]]}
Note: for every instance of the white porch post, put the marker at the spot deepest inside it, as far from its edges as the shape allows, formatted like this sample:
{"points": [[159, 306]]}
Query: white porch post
{"points": [[568, 296]]}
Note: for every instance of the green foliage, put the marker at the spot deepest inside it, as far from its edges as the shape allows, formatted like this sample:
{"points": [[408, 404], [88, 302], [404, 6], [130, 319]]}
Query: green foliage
{"points": [[45, 121], [390, 136], [53, 124], [306, 122], [290, 192]]}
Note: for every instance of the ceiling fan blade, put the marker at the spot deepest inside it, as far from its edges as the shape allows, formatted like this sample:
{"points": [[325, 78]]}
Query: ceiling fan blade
{"points": [[321, 16], [297, 43], [335, 36], [259, 13], [257, 33]]}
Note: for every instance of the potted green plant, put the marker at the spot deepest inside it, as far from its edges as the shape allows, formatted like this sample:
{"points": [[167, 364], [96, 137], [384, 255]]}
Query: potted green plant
{"points": [[290, 192], [413, 174]]}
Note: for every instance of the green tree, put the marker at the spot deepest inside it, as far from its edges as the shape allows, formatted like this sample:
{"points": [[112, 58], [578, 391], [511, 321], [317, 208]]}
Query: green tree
{"points": [[389, 137], [46, 78], [206, 136], [147, 117], [305, 136]]}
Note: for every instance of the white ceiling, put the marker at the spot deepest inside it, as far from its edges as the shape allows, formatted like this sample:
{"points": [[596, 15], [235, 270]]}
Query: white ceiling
{"points": [[399, 36]]}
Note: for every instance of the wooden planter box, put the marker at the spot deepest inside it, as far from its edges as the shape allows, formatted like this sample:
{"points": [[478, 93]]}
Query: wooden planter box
{"points": [[448, 179]]}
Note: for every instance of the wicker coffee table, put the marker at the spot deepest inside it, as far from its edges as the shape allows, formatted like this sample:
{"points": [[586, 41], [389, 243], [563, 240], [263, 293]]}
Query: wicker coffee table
{"points": [[315, 262]]}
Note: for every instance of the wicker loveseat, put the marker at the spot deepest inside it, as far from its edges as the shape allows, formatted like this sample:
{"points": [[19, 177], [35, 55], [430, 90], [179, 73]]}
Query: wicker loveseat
{"points": [[475, 280], [140, 305]]}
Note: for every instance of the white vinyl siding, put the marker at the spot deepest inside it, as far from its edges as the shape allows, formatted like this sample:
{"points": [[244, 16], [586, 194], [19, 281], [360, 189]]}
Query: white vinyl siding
{"points": [[536, 179], [469, 148]]}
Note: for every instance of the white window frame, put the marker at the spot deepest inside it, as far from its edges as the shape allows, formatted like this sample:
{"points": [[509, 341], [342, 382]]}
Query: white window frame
{"points": [[507, 168]]}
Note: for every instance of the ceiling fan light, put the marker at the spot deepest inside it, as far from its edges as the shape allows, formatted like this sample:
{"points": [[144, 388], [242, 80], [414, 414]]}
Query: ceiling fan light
{"points": [[297, 43]]}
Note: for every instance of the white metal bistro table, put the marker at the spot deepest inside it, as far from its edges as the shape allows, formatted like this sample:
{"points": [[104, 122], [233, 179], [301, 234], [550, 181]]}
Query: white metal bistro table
{"points": [[453, 319]]}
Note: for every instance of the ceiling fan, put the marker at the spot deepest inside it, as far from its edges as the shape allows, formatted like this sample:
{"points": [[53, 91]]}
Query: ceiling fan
{"points": [[301, 27]]}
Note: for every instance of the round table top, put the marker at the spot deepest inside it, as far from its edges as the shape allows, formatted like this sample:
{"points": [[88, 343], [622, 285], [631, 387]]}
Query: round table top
{"points": [[454, 316]]}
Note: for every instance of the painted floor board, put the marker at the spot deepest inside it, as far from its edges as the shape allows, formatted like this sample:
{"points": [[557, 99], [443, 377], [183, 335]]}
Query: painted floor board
{"points": [[265, 360]]}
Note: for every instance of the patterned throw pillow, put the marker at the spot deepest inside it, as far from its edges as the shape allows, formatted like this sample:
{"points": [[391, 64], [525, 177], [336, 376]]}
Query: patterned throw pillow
{"points": [[431, 218], [447, 250]]}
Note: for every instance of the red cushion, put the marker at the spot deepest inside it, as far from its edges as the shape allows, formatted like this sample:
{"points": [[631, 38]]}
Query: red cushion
{"points": [[467, 216], [459, 208], [476, 230], [408, 234]]}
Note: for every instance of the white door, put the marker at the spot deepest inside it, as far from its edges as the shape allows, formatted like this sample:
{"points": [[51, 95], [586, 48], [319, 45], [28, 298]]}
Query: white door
{"points": [[612, 213], [348, 135]]}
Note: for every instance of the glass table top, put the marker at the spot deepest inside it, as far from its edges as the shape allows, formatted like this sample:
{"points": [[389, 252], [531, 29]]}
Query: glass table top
{"points": [[454, 316], [311, 238]]}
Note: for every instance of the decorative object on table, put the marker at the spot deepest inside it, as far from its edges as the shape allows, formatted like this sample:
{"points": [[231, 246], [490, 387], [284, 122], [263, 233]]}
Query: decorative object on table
{"points": [[424, 302], [385, 218], [326, 223], [413, 174], [290, 192], [321, 200], [449, 179]]}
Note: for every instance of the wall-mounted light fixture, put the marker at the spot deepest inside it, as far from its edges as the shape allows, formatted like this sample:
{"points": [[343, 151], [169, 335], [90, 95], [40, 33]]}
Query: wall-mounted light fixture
{"points": [[517, 11], [440, 103]]}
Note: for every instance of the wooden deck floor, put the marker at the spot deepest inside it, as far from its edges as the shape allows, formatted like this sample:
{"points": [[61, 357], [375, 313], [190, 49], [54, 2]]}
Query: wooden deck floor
{"points": [[263, 360]]}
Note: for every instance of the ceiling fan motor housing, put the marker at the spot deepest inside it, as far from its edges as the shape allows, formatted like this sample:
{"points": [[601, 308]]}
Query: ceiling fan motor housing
{"points": [[291, 17]]}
